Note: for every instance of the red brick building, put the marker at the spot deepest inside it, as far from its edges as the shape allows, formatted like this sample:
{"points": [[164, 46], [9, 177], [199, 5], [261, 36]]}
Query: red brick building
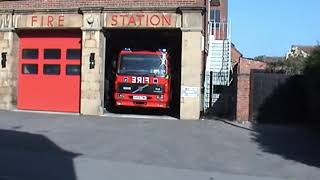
{"points": [[48, 47], [245, 68], [63, 4]]}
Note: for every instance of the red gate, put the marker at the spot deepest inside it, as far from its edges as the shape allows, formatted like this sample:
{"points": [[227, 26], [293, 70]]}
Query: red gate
{"points": [[49, 72]]}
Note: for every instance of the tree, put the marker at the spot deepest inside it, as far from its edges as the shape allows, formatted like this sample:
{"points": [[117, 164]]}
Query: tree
{"points": [[312, 85], [260, 58], [292, 65], [312, 65]]}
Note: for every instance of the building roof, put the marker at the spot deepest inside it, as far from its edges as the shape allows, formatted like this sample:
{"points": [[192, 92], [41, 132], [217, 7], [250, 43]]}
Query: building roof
{"points": [[233, 46], [306, 49]]}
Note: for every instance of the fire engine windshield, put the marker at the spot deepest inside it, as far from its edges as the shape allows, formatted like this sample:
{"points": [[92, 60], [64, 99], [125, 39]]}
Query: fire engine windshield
{"points": [[142, 64]]}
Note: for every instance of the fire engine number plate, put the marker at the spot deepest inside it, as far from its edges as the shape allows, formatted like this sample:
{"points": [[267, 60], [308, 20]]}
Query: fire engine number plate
{"points": [[139, 97]]}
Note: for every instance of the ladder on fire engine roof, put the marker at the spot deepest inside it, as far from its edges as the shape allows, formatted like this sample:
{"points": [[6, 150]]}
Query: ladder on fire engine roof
{"points": [[218, 70]]}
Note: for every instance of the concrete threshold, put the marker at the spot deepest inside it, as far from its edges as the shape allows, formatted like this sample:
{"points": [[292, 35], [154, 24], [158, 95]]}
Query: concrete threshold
{"points": [[46, 112], [138, 116], [106, 114]]}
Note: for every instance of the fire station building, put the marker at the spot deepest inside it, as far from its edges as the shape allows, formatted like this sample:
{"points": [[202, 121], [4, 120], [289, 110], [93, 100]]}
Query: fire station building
{"points": [[55, 55]]}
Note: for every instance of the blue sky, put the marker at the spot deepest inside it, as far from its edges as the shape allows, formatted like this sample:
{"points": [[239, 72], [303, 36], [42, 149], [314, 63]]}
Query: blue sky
{"points": [[270, 27]]}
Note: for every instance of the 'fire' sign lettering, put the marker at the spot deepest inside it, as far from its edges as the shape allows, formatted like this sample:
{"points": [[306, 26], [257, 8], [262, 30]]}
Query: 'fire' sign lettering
{"points": [[47, 21], [140, 80]]}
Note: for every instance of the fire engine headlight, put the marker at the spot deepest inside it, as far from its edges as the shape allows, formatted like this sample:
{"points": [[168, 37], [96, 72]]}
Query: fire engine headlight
{"points": [[160, 97], [155, 81], [120, 96]]}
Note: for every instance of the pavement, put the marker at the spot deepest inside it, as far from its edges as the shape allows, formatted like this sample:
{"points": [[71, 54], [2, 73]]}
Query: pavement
{"points": [[41, 146]]}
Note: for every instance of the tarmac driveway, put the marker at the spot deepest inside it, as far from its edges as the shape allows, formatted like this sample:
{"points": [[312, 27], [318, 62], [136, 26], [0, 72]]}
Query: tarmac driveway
{"points": [[51, 146]]}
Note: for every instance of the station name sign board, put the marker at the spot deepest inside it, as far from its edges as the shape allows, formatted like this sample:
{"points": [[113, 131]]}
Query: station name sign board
{"points": [[110, 20], [142, 20], [48, 20]]}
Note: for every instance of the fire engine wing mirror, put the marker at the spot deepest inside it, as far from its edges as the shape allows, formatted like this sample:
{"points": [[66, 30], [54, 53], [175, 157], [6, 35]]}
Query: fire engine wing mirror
{"points": [[114, 64]]}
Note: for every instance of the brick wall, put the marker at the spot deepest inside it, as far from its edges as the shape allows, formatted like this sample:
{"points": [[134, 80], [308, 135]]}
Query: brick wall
{"points": [[224, 10], [243, 86], [223, 6], [221, 31], [51, 4]]}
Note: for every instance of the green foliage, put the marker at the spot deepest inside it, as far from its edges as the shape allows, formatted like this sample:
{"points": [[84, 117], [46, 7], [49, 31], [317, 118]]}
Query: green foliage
{"points": [[292, 65], [312, 66], [260, 58], [264, 58], [309, 66], [312, 85]]}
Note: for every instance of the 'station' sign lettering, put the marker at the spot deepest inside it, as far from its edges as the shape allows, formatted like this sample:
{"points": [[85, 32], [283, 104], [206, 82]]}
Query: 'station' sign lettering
{"points": [[141, 20]]}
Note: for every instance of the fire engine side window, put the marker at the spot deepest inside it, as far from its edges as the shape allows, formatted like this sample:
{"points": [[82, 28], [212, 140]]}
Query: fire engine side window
{"points": [[30, 53], [74, 54], [51, 69], [52, 54]]}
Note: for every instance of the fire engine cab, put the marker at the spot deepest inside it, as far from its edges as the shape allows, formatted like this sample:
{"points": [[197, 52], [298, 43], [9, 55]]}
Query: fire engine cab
{"points": [[143, 79]]}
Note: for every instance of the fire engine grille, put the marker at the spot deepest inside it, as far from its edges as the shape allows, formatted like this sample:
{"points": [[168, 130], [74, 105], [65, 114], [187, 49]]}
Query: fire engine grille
{"points": [[140, 88]]}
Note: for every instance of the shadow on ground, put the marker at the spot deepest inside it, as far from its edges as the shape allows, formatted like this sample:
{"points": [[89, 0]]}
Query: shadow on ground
{"points": [[292, 143], [25, 156]]}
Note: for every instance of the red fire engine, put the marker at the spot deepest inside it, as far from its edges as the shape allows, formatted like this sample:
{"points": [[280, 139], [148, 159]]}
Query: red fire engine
{"points": [[143, 79]]}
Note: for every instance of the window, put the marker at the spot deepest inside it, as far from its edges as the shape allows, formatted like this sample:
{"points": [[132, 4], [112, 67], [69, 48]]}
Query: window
{"points": [[30, 53], [29, 69], [52, 54], [73, 70], [215, 15], [51, 69], [142, 64], [74, 54]]}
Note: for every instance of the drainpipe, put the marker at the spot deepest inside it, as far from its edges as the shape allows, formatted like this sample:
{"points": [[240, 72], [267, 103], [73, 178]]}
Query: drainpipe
{"points": [[206, 29], [205, 49]]}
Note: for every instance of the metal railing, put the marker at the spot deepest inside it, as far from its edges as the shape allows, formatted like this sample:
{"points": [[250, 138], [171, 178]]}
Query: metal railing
{"points": [[220, 30], [218, 66]]}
